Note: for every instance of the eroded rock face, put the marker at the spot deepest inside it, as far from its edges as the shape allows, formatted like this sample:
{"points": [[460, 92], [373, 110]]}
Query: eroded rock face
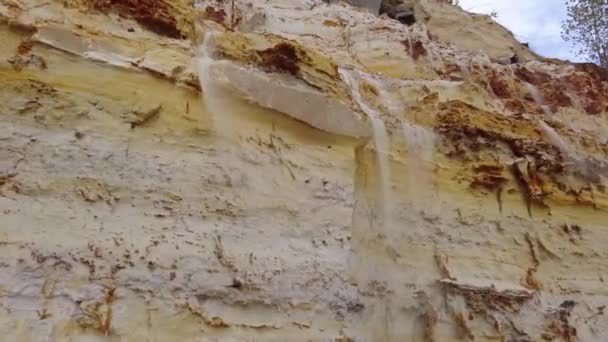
{"points": [[372, 5], [187, 171], [401, 10]]}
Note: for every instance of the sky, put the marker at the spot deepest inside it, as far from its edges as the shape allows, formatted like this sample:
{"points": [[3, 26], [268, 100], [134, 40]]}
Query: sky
{"points": [[537, 22]]}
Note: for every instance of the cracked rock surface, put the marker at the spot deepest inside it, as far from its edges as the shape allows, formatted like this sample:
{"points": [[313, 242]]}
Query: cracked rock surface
{"points": [[183, 170]]}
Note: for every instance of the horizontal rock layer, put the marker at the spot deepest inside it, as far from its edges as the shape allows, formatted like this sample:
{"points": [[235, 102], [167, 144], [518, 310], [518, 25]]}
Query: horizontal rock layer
{"points": [[174, 170]]}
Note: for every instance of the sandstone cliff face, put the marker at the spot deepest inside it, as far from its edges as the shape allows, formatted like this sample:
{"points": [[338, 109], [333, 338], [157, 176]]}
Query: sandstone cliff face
{"points": [[292, 170]]}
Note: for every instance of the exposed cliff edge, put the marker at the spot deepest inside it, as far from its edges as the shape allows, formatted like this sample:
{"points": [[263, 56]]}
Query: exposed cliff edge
{"points": [[295, 170]]}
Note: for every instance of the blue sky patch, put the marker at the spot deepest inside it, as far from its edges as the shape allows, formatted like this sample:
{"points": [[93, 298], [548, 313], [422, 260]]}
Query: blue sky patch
{"points": [[537, 22]]}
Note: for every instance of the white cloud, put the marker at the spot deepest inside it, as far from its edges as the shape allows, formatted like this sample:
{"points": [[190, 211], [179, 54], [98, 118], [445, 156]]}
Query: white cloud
{"points": [[537, 22]]}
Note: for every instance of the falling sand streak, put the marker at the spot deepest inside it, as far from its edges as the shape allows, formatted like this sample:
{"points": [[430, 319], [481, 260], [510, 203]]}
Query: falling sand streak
{"points": [[381, 142], [204, 62], [565, 148], [538, 98]]}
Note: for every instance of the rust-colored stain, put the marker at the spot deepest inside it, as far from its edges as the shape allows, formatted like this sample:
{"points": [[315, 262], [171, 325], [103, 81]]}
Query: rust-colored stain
{"points": [[452, 72], [533, 77], [500, 86], [559, 326], [24, 47], [366, 87], [591, 89], [588, 86], [331, 23], [483, 299], [540, 168], [415, 49], [515, 105], [281, 57], [155, 15], [593, 70], [531, 184], [212, 14], [489, 177]]}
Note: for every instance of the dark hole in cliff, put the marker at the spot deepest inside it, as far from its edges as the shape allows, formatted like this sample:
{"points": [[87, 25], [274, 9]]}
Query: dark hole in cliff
{"points": [[406, 18], [282, 57], [397, 10], [154, 15]]}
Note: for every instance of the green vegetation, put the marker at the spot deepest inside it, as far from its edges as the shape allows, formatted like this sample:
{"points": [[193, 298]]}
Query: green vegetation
{"points": [[587, 29]]}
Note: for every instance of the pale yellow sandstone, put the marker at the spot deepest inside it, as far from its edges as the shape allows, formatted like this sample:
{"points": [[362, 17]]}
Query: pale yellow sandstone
{"points": [[138, 205]]}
